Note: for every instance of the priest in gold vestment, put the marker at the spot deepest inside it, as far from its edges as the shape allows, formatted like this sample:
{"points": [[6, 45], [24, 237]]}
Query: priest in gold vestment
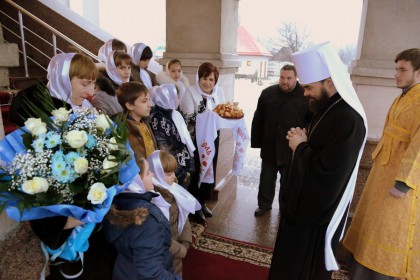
{"points": [[384, 236]]}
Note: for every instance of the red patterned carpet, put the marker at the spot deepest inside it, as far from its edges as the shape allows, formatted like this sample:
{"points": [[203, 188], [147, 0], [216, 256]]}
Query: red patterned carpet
{"points": [[214, 257]]}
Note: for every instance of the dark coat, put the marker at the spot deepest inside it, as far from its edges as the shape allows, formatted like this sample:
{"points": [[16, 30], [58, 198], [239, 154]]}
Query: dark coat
{"points": [[18, 109], [142, 236], [105, 98], [318, 176], [276, 113], [135, 74], [167, 136]]}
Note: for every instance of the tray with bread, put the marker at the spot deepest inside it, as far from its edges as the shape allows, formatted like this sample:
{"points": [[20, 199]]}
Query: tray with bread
{"points": [[229, 111]]}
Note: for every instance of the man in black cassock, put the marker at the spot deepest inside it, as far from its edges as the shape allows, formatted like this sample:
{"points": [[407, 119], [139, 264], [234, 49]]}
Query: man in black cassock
{"points": [[323, 169]]}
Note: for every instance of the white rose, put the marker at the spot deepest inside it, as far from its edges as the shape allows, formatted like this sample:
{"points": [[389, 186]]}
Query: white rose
{"points": [[112, 145], [61, 115], [81, 165], [76, 138], [109, 162], [36, 126], [34, 186], [102, 122], [97, 193]]}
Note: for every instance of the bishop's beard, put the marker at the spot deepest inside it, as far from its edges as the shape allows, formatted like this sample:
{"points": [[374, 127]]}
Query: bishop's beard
{"points": [[317, 106]]}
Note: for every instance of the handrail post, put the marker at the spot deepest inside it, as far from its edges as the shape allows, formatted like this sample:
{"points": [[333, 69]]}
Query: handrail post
{"points": [[22, 36], [54, 38]]}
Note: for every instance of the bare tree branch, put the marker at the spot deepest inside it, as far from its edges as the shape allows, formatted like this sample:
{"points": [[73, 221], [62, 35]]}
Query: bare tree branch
{"points": [[289, 40], [347, 53]]}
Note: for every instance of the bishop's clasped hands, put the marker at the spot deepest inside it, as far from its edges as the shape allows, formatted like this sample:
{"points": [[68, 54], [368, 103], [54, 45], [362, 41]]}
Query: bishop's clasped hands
{"points": [[296, 135]]}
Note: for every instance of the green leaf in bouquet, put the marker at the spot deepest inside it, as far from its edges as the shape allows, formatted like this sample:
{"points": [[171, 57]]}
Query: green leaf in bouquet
{"points": [[110, 176], [77, 187], [21, 206], [119, 130], [47, 198], [27, 140], [4, 186], [110, 179], [2, 206], [43, 107]]}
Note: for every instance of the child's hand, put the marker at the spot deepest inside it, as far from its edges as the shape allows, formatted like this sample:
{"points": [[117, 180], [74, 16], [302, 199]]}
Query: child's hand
{"points": [[72, 223]]}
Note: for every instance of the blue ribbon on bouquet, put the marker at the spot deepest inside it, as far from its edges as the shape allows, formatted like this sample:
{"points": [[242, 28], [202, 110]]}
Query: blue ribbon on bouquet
{"points": [[72, 250], [77, 243], [13, 144]]}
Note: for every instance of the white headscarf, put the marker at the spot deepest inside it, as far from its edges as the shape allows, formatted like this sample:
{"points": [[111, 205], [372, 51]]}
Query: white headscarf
{"points": [[315, 64], [178, 83], [212, 99], [136, 52], [111, 69], [58, 77], [166, 97], [105, 50], [137, 187], [185, 201]]}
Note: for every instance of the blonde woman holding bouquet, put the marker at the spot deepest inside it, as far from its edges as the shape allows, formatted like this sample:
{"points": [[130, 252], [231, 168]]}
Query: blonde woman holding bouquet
{"points": [[71, 79]]}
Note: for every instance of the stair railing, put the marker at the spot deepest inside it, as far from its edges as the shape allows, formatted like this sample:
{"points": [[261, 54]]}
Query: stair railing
{"points": [[54, 32]]}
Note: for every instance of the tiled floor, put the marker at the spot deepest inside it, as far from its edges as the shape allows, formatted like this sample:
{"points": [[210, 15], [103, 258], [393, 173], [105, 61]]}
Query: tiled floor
{"points": [[237, 200]]}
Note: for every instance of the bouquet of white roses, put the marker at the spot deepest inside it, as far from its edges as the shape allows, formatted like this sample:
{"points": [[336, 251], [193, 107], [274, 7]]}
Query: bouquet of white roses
{"points": [[69, 165]]}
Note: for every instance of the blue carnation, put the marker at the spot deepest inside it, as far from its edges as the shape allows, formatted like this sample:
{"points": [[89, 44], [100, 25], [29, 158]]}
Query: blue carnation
{"points": [[38, 145], [58, 165], [71, 157], [53, 140], [91, 142], [58, 155], [65, 176]]}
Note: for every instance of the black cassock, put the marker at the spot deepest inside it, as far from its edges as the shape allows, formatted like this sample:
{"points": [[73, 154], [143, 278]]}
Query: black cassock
{"points": [[317, 178]]}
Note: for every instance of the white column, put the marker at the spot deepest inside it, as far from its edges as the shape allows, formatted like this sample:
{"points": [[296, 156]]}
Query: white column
{"points": [[387, 28], [205, 30]]}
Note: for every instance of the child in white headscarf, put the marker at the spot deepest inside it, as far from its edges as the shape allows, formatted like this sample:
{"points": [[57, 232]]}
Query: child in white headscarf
{"points": [[163, 165], [171, 132], [137, 225], [108, 47], [141, 55], [173, 75], [117, 71]]}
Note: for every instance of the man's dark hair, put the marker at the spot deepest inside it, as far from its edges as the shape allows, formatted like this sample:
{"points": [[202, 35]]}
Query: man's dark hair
{"points": [[412, 55], [147, 53], [289, 67]]}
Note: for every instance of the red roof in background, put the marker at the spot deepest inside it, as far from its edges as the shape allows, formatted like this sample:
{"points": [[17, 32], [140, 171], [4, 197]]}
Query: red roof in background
{"points": [[248, 45]]}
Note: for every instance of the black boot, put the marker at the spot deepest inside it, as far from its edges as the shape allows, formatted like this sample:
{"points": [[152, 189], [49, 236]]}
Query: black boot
{"points": [[206, 211], [199, 217]]}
